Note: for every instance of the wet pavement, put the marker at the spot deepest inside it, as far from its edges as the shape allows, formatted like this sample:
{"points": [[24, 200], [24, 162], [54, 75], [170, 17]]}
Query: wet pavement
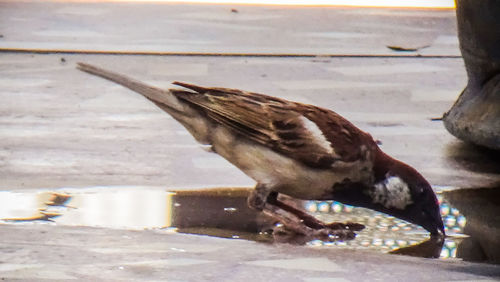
{"points": [[98, 184], [146, 233], [220, 212]]}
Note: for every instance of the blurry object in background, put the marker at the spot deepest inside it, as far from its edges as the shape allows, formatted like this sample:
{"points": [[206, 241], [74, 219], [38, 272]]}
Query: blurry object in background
{"points": [[475, 116], [481, 207]]}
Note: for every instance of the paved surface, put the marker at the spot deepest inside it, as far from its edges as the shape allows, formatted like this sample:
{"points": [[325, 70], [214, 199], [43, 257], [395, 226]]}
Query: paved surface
{"points": [[63, 128], [66, 253], [175, 28]]}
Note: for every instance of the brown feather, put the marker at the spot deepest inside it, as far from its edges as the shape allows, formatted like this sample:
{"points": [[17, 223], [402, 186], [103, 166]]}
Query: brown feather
{"points": [[279, 124]]}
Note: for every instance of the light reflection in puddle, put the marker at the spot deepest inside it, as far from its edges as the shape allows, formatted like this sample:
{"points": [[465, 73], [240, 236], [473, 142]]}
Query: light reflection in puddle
{"points": [[384, 232], [114, 208], [218, 212]]}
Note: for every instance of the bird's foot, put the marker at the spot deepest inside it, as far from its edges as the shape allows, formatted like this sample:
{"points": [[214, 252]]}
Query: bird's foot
{"points": [[294, 222], [285, 233], [293, 228]]}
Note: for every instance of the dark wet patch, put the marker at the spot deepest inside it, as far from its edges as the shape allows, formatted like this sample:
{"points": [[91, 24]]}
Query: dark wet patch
{"points": [[473, 158], [223, 212]]}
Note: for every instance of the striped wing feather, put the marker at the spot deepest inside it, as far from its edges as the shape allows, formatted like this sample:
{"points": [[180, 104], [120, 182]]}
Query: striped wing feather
{"points": [[279, 124]]}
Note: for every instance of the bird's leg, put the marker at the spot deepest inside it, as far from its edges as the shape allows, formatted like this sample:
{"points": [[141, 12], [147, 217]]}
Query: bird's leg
{"points": [[259, 200], [263, 199], [258, 197], [310, 220], [306, 218]]}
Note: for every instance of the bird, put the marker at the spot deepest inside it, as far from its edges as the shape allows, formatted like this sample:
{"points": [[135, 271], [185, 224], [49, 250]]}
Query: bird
{"points": [[294, 149]]}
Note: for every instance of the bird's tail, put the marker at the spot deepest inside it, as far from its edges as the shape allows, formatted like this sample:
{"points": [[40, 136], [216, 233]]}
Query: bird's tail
{"points": [[157, 95], [183, 112]]}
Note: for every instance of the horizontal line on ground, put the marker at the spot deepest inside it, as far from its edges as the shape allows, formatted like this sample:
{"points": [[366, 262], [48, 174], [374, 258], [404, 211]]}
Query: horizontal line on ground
{"points": [[166, 53]]}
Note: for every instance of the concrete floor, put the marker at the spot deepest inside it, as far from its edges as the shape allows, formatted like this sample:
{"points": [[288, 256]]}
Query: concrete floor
{"points": [[52, 253], [63, 128], [223, 29]]}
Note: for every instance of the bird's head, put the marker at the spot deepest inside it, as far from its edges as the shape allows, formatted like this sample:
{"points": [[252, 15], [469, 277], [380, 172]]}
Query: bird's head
{"points": [[398, 190], [409, 197], [401, 191]]}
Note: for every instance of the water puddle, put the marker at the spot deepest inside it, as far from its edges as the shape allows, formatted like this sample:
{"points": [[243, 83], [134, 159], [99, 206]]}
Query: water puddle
{"points": [[223, 212]]}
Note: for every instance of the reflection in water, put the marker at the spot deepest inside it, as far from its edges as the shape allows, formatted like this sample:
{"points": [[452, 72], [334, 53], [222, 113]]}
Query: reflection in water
{"points": [[104, 207], [223, 212], [384, 232], [481, 207]]}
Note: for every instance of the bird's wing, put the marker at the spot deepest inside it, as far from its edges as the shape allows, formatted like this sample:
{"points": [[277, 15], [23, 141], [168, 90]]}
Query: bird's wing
{"points": [[314, 136]]}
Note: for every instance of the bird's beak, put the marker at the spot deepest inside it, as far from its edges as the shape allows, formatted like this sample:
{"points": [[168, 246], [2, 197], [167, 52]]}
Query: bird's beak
{"points": [[433, 222]]}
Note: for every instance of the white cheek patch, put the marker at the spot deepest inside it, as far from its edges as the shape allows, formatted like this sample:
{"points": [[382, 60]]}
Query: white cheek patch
{"points": [[317, 134], [393, 192]]}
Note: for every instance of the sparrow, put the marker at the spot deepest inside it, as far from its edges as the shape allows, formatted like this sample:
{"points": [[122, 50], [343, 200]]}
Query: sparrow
{"points": [[299, 150]]}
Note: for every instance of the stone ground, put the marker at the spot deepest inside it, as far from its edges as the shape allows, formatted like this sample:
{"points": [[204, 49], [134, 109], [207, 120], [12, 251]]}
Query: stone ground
{"points": [[63, 128]]}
